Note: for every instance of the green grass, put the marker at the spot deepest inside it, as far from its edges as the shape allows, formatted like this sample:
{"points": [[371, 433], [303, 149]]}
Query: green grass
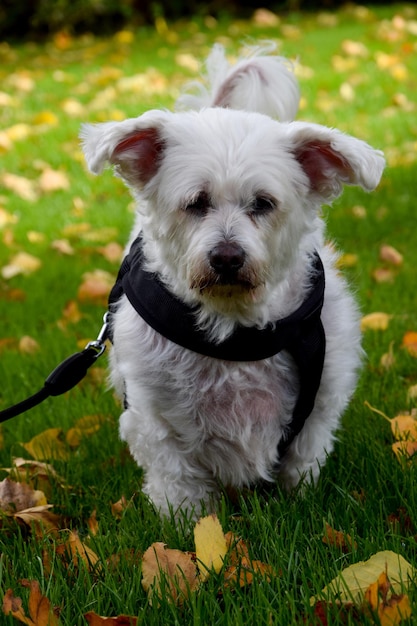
{"points": [[362, 484]]}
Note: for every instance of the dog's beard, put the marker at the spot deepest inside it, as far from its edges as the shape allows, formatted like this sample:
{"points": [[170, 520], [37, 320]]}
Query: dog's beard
{"points": [[243, 286]]}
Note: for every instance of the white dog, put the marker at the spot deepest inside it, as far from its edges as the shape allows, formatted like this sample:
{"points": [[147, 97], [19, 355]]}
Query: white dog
{"points": [[220, 306]]}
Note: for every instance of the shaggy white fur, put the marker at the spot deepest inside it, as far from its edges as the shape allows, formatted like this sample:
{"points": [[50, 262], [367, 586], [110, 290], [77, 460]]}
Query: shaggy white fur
{"points": [[228, 204]]}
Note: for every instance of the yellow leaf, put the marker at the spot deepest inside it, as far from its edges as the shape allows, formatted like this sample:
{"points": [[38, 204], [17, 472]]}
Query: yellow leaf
{"points": [[351, 584], [164, 569], [210, 545], [49, 444], [46, 117], [21, 263], [375, 321], [87, 425]]}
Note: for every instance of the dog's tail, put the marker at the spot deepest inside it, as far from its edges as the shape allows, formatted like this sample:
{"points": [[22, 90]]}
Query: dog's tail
{"points": [[259, 82]]}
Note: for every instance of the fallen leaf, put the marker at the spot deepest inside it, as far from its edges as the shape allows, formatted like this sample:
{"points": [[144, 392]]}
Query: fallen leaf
{"points": [[40, 519], [390, 255], [22, 187], [391, 609], [48, 445], [404, 450], [122, 620], [95, 287], [52, 180], [410, 343], [338, 539], [388, 359], [28, 345], [375, 321], [21, 263], [168, 571], [404, 426], [210, 545], [85, 426], [113, 252], [79, 552], [40, 609], [16, 496], [351, 584], [265, 18], [63, 246], [383, 275], [119, 507]]}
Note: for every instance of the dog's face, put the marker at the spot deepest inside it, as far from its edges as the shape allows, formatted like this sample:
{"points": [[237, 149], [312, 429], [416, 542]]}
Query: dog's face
{"points": [[229, 195]]}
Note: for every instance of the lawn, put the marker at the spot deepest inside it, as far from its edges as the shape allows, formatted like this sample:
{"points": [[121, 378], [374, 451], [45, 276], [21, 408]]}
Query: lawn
{"points": [[62, 233]]}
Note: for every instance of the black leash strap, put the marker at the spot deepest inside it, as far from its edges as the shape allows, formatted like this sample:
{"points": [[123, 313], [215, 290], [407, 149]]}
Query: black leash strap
{"points": [[64, 377]]}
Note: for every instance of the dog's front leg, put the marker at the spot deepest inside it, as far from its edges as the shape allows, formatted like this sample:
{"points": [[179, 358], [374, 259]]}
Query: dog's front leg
{"points": [[174, 479]]}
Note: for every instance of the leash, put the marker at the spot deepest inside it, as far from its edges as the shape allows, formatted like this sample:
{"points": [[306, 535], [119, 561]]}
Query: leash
{"points": [[66, 375]]}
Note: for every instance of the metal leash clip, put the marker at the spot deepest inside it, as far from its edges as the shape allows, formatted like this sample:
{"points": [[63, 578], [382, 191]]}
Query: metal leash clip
{"points": [[99, 344]]}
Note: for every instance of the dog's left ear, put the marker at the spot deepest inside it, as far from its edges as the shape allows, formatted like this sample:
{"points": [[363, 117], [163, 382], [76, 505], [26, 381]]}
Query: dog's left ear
{"points": [[331, 159], [134, 146]]}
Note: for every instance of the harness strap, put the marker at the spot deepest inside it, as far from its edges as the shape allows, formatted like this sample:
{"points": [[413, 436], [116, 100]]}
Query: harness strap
{"points": [[301, 333]]}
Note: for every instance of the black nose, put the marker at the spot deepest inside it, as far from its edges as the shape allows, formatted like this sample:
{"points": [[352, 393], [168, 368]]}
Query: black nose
{"points": [[227, 258]]}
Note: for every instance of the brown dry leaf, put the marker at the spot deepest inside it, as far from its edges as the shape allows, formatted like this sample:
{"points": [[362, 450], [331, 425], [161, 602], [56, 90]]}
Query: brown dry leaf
{"points": [[168, 571], [388, 359], [96, 287], [85, 426], [113, 252], [16, 496], [383, 275], [40, 610], [21, 186], [40, 519], [28, 345], [79, 552], [48, 445], [70, 315], [390, 255], [391, 609], [122, 620], [36, 474], [210, 545], [338, 539], [92, 523], [118, 507], [241, 569], [410, 343], [53, 180], [265, 18], [21, 263], [63, 246], [375, 321]]}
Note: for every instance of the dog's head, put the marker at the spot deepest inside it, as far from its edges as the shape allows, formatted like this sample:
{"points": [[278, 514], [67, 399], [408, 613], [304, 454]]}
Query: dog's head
{"points": [[227, 197]]}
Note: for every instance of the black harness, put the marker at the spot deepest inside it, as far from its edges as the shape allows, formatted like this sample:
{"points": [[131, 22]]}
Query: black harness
{"points": [[301, 333]]}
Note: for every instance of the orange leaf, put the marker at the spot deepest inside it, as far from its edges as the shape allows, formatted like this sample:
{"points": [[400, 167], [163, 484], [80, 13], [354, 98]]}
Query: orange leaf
{"points": [[404, 427], [95, 287], [390, 255], [40, 610], [410, 343], [80, 552], [404, 450], [338, 539]]}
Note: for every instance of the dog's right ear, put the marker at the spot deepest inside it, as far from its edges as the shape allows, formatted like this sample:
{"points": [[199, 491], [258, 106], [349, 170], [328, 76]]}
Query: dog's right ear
{"points": [[134, 147]]}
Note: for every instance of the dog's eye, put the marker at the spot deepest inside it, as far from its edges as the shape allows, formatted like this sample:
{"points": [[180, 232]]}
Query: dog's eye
{"points": [[263, 204], [199, 206]]}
